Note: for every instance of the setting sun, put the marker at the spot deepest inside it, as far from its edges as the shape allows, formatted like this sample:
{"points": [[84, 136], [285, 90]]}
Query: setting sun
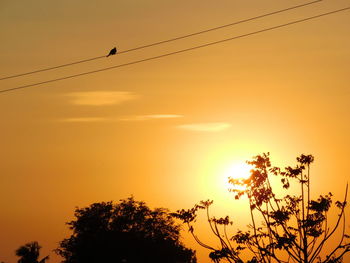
{"points": [[237, 170]]}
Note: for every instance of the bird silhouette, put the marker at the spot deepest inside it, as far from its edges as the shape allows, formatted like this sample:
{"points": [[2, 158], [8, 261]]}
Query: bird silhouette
{"points": [[112, 52]]}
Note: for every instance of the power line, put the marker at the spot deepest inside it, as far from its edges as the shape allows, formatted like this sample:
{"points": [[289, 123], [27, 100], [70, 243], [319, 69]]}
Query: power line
{"points": [[223, 26], [51, 68], [164, 41], [179, 51]]}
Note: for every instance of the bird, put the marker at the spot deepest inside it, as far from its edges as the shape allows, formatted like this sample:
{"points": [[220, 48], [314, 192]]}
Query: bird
{"points": [[112, 52]]}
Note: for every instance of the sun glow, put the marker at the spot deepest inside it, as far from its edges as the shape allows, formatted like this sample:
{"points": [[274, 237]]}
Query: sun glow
{"points": [[237, 170]]}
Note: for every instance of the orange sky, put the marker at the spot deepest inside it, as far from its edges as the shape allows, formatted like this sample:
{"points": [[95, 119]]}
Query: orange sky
{"points": [[163, 130]]}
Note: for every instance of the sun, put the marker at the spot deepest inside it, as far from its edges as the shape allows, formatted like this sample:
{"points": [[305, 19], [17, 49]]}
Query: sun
{"points": [[236, 170]]}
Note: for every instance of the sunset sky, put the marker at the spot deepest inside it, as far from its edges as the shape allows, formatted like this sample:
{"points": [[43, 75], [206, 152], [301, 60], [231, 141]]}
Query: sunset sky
{"points": [[165, 130]]}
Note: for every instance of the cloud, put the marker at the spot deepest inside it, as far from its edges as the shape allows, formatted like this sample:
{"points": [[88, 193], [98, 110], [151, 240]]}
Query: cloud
{"points": [[133, 118], [150, 117], [85, 119], [163, 116], [100, 98], [206, 127]]}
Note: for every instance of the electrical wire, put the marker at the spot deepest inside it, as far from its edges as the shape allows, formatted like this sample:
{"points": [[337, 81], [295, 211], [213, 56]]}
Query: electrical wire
{"points": [[179, 51], [164, 41]]}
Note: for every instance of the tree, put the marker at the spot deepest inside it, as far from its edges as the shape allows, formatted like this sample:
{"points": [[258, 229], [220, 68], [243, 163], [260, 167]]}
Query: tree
{"points": [[29, 253], [294, 228], [128, 231]]}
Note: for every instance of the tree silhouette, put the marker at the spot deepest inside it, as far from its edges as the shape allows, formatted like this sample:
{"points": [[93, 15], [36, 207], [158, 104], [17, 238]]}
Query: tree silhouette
{"points": [[294, 228], [128, 231], [29, 253]]}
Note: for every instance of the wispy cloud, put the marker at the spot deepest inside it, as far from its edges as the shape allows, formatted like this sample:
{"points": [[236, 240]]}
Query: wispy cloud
{"points": [[206, 127], [114, 119], [163, 116], [100, 98], [85, 119], [151, 117]]}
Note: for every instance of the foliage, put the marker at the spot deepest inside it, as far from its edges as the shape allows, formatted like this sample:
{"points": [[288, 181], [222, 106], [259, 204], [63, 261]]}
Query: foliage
{"points": [[29, 253], [128, 231], [294, 228]]}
